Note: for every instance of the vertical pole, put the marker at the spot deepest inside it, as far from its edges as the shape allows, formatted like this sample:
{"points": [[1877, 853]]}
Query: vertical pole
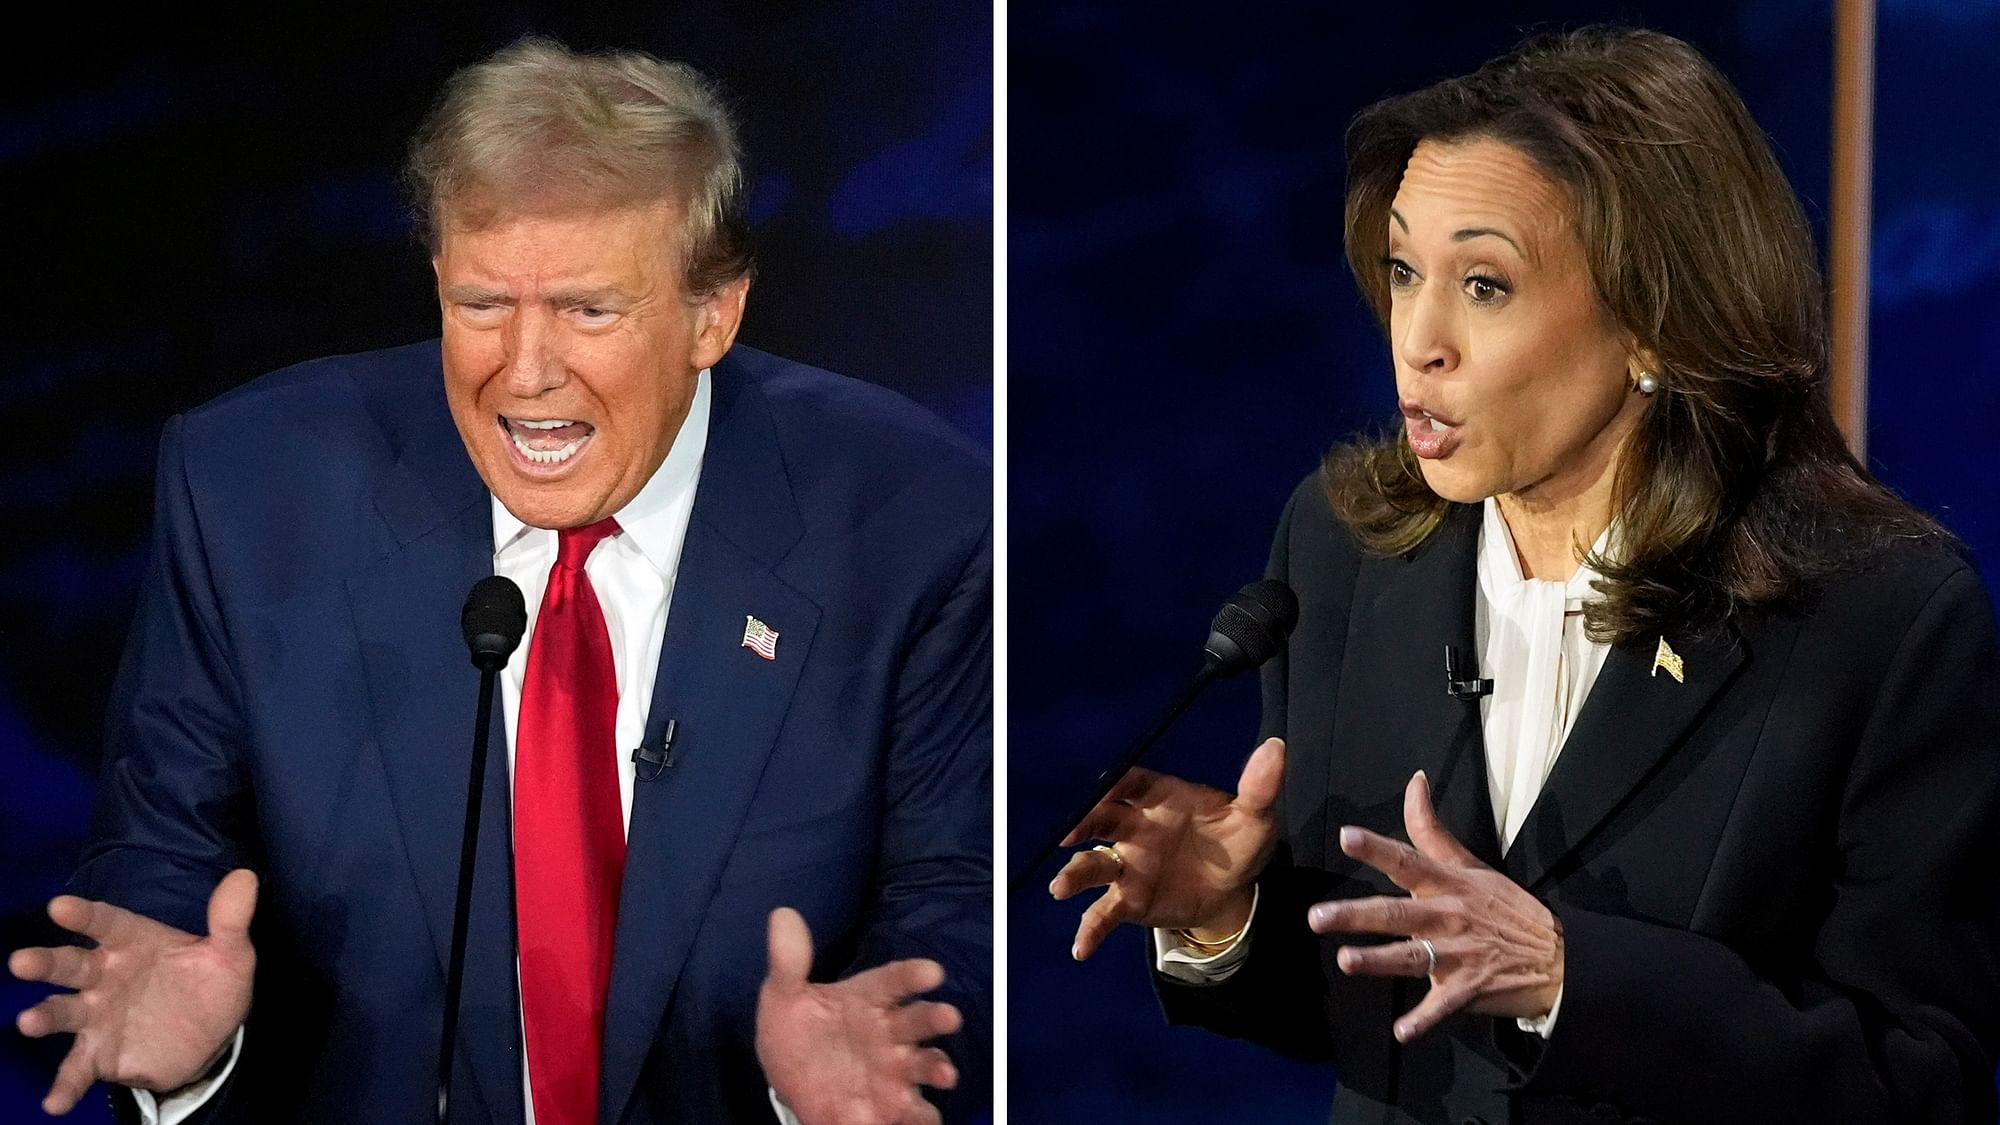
{"points": [[1848, 229]]}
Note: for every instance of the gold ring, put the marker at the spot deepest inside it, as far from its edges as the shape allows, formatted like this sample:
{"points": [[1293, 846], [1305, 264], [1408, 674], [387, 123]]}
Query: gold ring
{"points": [[1112, 851]]}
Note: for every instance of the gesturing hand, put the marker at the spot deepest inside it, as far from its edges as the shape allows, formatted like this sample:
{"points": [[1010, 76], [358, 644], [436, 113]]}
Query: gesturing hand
{"points": [[1499, 949], [154, 1006], [1186, 854], [847, 1053]]}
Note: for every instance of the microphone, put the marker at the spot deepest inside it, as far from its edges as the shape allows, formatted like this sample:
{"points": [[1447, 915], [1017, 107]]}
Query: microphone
{"points": [[649, 761], [1249, 629], [1461, 682], [494, 617]]}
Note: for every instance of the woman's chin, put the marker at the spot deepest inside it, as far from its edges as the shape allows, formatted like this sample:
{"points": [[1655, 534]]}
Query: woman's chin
{"points": [[1453, 484]]}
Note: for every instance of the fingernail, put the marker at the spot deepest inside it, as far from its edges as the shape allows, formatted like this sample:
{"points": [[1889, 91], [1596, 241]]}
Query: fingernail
{"points": [[1344, 959], [1402, 1033], [1350, 836], [1320, 914], [1076, 952], [1426, 778]]}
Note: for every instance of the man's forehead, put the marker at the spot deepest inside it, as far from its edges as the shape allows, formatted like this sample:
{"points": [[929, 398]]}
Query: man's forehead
{"points": [[588, 249], [1453, 186]]}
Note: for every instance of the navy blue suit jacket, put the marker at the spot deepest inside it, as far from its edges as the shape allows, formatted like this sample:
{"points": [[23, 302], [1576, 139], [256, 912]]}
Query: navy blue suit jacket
{"points": [[296, 698]]}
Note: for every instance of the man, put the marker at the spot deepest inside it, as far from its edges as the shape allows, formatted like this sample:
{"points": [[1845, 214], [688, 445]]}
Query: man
{"points": [[775, 580]]}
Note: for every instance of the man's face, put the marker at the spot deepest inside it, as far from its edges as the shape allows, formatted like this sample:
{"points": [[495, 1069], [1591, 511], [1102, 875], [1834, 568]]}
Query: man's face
{"points": [[570, 354]]}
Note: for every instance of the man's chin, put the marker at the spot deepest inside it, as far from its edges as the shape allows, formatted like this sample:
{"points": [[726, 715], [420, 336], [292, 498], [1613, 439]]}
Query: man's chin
{"points": [[549, 507]]}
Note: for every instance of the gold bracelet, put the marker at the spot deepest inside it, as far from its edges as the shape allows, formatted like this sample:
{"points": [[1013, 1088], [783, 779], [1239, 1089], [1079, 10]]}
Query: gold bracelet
{"points": [[1187, 937]]}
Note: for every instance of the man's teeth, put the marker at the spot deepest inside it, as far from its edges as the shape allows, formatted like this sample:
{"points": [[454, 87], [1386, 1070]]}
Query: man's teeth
{"points": [[551, 456], [544, 424]]}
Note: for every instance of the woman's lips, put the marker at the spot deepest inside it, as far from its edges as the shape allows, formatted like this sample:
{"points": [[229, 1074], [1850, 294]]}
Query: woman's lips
{"points": [[1430, 438]]}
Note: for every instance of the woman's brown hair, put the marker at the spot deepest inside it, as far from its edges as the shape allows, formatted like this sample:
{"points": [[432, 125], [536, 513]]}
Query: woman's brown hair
{"points": [[1736, 489]]}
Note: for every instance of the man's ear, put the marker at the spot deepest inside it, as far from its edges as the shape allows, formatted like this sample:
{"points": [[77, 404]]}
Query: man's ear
{"points": [[719, 315]]}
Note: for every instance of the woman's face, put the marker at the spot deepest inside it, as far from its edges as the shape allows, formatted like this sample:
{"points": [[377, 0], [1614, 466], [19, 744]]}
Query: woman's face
{"points": [[1512, 376]]}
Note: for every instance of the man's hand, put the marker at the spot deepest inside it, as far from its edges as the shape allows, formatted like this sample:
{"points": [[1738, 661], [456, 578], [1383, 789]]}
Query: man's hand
{"points": [[1498, 949], [847, 1053], [154, 1007], [1186, 855]]}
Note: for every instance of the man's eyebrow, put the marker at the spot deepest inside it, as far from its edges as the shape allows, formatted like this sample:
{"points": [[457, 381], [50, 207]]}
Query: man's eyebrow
{"points": [[584, 297], [461, 293]]}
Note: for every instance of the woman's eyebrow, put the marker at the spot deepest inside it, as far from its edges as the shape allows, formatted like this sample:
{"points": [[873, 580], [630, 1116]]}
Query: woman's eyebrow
{"points": [[1484, 232], [1468, 233]]}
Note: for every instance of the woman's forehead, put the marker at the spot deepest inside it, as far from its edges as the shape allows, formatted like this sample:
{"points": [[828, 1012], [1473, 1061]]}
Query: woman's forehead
{"points": [[1450, 187]]}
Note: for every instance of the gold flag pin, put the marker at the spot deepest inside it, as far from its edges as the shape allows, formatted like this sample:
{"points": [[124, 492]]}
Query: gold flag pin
{"points": [[1666, 658]]}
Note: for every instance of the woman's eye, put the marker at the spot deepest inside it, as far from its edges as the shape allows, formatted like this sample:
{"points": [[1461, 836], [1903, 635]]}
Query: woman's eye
{"points": [[1401, 275], [1484, 290]]}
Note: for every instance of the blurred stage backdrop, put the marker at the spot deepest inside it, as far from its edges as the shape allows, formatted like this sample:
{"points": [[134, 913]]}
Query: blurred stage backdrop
{"points": [[190, 206], [1185, 342]]}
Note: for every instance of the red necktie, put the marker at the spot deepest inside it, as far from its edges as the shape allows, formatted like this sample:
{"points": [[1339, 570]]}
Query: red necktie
{"points": [[569, 836]]}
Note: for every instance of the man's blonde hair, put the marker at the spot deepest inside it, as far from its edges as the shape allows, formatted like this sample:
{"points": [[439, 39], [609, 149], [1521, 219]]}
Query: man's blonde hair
{"points": [[540, 129]]}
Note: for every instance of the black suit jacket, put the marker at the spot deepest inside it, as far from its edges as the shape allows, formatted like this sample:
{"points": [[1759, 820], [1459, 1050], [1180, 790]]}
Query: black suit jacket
{"points": [[1775, 880]]}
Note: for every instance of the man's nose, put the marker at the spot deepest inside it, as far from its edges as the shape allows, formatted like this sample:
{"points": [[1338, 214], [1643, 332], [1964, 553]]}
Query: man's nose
{"points": [[534, 358]]}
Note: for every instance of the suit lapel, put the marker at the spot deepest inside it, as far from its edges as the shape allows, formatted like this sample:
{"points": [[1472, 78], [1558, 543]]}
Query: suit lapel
{"points": [[1415, 606], [1633, 718], [728, 705], [423, 691]]}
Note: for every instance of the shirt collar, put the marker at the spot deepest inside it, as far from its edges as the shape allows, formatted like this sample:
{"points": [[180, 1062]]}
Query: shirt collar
{"points": [[651, 519]]}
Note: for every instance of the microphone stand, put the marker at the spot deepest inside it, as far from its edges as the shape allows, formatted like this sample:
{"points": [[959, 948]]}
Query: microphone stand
{"points": [[468, 852], [1109, 778]]}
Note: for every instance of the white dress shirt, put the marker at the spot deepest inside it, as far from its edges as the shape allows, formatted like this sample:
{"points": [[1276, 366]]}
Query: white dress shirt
{"points": [[1532, 643], [632, 574]]}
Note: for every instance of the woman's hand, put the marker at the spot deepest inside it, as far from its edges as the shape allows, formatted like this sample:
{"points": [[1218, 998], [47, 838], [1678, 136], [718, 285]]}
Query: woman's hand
{"points": [[1187, 855], [1499, 949]]}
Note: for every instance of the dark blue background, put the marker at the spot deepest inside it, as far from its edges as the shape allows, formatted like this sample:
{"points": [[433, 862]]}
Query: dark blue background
{"points": [[192, 203], [1185, 342]]}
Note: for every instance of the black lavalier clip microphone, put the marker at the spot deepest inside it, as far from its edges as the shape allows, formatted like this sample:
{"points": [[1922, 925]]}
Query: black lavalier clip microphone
{"points": [[1461, 682], [648, 762]]}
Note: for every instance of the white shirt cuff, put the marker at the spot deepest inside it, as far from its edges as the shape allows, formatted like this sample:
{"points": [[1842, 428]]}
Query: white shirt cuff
{"points": [[1188, 965], [784, 1112], [177, 1106], [1547, 1023]]}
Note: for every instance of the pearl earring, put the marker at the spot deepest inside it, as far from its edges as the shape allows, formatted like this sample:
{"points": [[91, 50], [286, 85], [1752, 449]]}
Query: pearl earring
{"points": [[1645, 384]]}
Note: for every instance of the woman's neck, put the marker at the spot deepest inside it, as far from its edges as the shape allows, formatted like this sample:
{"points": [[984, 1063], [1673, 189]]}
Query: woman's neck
{"points": [[1555, 521]]}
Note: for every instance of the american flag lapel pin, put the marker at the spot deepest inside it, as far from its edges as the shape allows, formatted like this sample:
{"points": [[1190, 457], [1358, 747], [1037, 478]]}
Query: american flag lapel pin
{"points": [[760, 638], [1663, 657]]}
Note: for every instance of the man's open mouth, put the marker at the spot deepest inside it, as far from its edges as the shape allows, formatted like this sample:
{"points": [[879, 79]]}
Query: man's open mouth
{"points": [[547, 441]]}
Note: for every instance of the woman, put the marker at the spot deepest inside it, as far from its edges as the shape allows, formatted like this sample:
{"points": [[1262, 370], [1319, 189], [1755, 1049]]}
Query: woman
{"points": [[1698, 817]]}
